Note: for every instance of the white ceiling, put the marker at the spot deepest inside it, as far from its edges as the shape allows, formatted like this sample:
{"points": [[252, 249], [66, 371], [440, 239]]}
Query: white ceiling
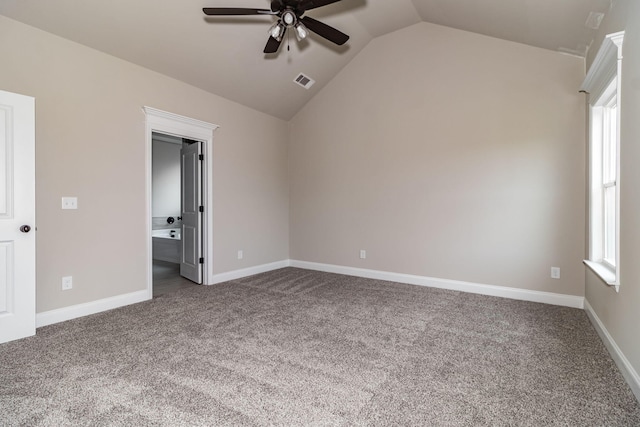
{"points": [[224, 55]]}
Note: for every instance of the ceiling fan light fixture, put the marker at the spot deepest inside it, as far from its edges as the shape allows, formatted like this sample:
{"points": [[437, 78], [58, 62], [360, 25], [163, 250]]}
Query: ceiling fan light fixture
{"points": [[276, 31], [289, 14], [301, 31], [289, 18]]}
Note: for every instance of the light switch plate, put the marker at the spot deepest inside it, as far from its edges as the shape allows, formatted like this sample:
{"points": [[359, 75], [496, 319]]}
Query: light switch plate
{"points": [[69, 203]]}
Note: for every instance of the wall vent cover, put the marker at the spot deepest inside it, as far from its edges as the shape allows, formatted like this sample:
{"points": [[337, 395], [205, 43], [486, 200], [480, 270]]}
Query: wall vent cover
{"points": [[304, 81], [594, 20]]}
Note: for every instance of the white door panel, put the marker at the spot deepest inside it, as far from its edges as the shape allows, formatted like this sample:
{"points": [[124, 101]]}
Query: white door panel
{"points": [[17, 209], [5, 159], [6, 266], [191, 200]]}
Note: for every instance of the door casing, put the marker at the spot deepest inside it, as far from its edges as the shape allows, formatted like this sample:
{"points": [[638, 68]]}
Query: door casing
{"points": [[182, 127]]}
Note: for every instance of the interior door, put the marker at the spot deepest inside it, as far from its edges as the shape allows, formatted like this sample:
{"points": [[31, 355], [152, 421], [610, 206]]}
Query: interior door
{"points": [[191, 261], [17, 217]]}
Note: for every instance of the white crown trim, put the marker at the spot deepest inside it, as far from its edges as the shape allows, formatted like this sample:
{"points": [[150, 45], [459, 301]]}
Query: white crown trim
{"points": [[605, 65]]}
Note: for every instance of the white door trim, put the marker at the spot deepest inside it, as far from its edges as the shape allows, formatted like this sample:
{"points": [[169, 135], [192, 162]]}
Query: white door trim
{"points": [[176, 125]]}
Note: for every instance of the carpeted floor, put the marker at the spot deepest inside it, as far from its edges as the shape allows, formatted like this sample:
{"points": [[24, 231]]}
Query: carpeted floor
{"points": [[296, 347]]}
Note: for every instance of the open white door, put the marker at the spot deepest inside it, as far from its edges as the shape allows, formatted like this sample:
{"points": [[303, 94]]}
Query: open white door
{"points": [[17, 217], [191, 260]]}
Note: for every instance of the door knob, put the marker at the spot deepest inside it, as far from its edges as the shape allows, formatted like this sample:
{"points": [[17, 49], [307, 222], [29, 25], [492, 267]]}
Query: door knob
{"points": [[25, 229]]}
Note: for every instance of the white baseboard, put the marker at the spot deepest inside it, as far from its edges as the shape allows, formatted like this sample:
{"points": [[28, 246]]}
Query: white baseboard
{"points": [[72, 312], [250, 271], [629, 374], [67, 313], [454, 285]]}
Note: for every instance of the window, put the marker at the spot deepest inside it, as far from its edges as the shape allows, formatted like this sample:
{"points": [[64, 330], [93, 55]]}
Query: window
{"points": [[604, 180], [603, 85], [610, 178]]}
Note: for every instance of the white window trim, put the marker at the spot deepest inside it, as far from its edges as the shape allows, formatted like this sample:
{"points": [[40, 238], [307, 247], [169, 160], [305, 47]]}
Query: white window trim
{"points": [[605, 66], [605, 69]]}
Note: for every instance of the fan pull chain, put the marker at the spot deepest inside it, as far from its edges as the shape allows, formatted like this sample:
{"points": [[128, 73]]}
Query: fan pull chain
{"points": [[288, 41]]}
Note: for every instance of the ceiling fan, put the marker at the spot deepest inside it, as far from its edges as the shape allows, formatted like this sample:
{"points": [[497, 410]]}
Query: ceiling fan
{"points": [[290, 15]]}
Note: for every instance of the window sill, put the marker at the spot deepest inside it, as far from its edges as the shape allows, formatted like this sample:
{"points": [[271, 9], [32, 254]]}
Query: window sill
{"points": [[605, 273]]}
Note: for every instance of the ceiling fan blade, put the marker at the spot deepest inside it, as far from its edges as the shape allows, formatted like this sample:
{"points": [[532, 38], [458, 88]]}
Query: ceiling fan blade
{"points": [[325, 31], [312, 4], [272, 45], [232, 11]]}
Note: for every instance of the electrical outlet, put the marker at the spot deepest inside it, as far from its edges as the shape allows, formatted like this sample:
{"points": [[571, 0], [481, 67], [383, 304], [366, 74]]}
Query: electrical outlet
{"points": [[67, 283], [555, 272], [240, 254], [363, 254], [69, 203]]}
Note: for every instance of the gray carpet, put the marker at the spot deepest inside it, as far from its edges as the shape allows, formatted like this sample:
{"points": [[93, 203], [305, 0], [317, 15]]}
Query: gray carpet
{"points": [[296, 347]]}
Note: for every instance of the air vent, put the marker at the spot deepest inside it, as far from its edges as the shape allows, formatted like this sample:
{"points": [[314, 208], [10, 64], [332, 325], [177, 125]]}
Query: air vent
{"points": [[594, 20], [304, 81]]}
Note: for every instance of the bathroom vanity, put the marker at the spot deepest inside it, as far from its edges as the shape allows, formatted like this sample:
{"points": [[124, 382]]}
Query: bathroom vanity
{"points": [[167, 245]]}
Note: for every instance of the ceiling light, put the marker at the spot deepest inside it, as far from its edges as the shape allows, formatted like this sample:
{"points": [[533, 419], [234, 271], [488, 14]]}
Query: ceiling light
{"points": [[289, 18], [301, 31], [276, 31]]}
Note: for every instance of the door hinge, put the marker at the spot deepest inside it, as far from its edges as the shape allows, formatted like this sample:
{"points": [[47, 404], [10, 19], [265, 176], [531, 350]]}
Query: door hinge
{"points": [[201, 260], [201, 156], [201, 209]]}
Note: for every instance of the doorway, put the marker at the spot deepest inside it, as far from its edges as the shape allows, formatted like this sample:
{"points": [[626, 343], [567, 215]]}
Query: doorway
{"points": [[167, 214], [185, 224]]}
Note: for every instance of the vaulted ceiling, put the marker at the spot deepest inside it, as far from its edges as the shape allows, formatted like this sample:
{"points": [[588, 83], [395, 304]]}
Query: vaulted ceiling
{"points": [[223, 55]]}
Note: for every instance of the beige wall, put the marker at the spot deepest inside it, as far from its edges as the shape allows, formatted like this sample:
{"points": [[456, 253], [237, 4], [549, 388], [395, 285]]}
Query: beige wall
{"points": [[620, 312], [459, 161], [445, 154], [91, 144]]}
